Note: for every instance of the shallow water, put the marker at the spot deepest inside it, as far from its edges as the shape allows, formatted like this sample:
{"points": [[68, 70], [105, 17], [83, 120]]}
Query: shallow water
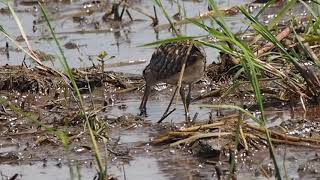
{"points": [[123, 44], [161, 162]]}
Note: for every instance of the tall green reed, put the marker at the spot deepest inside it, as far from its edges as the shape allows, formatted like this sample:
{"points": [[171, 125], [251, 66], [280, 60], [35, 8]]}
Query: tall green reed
{"points": [[67, 69]]}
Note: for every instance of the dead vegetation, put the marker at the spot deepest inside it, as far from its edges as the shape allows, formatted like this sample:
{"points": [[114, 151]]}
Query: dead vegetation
{"points": [[39, 80], [224, 129], [23, 79]]}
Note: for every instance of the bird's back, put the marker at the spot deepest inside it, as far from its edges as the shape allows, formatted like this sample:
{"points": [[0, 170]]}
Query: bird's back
{"points": [[166, 62]]}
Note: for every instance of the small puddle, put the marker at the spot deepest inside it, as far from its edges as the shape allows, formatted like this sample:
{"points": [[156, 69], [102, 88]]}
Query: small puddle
{"points": [[156, 108], [39, 170]]}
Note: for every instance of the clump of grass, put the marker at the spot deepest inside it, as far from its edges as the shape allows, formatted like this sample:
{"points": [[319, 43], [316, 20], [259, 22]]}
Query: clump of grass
{"points": [[253, 67], [248, 63], [70, 78]]}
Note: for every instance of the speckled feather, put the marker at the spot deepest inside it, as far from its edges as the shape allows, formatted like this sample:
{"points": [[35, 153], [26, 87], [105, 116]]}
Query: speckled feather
{"points": [[168, 59]]}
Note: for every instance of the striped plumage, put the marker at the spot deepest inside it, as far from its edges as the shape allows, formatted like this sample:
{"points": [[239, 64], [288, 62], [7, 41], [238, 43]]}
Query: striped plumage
{"points": [[165, 66]]}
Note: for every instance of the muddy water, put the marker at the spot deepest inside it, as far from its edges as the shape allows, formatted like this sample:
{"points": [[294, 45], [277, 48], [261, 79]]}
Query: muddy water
{"points": [[122, 43], [145, 161]]}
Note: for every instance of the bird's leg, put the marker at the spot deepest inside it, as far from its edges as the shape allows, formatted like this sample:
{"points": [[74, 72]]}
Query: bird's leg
{"points": [[143, 109], [188, 100], [185, 104]]}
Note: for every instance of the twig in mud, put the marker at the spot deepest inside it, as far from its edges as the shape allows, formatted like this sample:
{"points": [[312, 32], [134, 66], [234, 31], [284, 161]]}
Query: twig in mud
{"points": [[166, 114], [264, 172], [280, 141], [166, 111], [214, 93], [285, 136], [195, 117], [7, 50], [128, 13], [243, 137], [155, 19], [203, 127], [126, 63], [130, 126], [284, 33], [200, 136], [126, 90], [172, 135]]}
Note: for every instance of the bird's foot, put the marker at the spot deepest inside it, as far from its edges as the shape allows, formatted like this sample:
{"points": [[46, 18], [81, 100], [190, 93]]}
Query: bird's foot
{"points": [[188, 117], [143, 112]]}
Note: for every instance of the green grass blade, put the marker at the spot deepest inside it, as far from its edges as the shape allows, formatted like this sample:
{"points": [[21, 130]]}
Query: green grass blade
{"points": [[175, 39]]}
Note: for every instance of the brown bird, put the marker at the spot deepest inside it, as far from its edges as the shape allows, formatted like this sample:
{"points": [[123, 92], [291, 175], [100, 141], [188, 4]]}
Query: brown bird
{"points": [[166, 64]]}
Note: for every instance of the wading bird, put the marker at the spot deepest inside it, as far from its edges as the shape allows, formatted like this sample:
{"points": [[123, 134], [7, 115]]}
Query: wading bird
{"points": [[165, 66]]}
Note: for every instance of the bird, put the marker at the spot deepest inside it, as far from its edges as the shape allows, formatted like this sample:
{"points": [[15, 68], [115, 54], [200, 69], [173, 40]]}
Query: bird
{"points": [[165, 66]]}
